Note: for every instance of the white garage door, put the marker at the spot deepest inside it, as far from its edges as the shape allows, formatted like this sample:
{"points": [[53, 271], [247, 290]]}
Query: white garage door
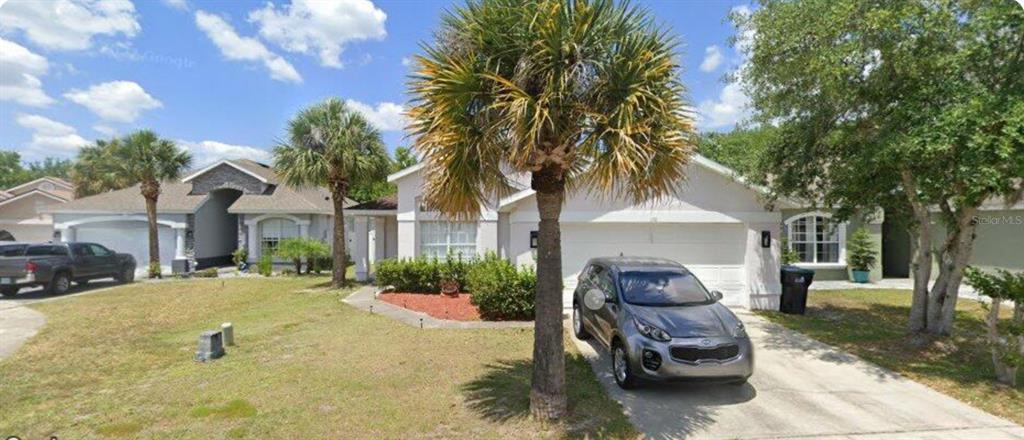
{"points": [[130, 238], [714, 252]]}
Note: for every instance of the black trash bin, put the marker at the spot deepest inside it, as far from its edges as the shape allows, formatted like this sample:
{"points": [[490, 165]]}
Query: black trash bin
{"points": [[795, 282]]}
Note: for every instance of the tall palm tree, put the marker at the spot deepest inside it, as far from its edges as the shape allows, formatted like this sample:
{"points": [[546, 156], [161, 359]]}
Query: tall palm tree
{"points": [[144, 157], [96, 169], [335, 147], [580, 94]]}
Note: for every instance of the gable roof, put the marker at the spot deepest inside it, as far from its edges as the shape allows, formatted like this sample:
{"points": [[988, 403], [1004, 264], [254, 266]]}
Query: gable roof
{"points": [[174, 199], [261, 172], [386, 203], [286, 199], [4, 195], [25, 187], [10, 198]]}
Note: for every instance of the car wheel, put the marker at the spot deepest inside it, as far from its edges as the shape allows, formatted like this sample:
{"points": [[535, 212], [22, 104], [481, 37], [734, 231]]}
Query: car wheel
{"points": [[8, 291], [577, 323], [127, 275], [59, 284], [621, 370]]}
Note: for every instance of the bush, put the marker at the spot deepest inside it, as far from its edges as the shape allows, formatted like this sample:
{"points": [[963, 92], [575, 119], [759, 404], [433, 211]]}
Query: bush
{"points": [[154, 270], [206, 273], [323, 264], [1005, 340], [239, 256], [297, 248], [789, 256], [500, 290], [288, 272], [412, 276], [265, 266]]}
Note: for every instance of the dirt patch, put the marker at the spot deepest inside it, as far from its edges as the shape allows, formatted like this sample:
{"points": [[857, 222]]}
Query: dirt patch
{"points": [[439, 306]]}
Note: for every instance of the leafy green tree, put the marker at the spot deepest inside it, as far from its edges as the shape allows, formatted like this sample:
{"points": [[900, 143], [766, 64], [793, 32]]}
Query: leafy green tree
{"points": [[11, 172], [740, 149], [904, 105], [299, 248], [403, 159], [50, 166], [331, 145], [580, 95], [374, 190]]}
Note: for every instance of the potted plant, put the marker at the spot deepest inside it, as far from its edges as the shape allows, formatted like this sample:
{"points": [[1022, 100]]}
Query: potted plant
{"points": [[861, 255]]}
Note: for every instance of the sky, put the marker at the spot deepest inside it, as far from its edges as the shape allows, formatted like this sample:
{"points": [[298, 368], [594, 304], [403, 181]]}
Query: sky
{"points": [[222, 78]]}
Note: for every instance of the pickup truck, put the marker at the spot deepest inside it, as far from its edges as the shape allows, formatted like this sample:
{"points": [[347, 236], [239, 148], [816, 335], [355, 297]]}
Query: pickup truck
{"points": [[56, 265]]}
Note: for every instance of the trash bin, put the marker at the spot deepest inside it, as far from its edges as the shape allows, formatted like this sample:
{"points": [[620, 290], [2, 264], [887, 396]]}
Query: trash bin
{"points": [[795, 282]]}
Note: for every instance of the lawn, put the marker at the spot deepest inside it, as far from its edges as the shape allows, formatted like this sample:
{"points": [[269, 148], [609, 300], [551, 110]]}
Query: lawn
{"points": [[119, 364], [872, 325]]}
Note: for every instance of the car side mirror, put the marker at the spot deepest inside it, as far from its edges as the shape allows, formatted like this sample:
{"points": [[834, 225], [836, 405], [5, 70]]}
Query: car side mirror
{"points": [[717, 295], [594, 299]]}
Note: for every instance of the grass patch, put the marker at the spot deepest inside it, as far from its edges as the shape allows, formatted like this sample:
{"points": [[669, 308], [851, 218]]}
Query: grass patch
{"points": [[872, 324], [119, 363]]}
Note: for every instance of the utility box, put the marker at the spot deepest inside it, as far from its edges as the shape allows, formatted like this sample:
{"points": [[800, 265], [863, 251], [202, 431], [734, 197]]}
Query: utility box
{"points": [[211, 346]]}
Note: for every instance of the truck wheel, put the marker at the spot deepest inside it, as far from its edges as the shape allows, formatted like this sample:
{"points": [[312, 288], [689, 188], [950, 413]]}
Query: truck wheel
{"points": [[59, 285], [8, 291], [126, 275]]}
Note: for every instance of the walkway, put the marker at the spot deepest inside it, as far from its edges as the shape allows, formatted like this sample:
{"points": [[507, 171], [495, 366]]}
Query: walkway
{"points": [[801, 389], [366, 299]]}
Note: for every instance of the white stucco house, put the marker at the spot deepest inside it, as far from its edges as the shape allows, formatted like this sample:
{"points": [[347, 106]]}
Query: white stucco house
{"points": [[716, 225]]}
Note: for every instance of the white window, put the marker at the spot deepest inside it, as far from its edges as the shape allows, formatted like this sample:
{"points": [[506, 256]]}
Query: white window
{"points": [[272, 231], [816, 238], [439, 239]]}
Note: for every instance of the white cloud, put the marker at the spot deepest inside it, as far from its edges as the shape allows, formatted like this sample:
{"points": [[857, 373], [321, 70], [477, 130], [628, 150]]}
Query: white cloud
{"points": [[387, 116], [180, 5], [320, 27], [19, 75], [105, 130], [49, 137], [207, 152], [236, 47], [407, 61], [731, 106], [119, 101], [68, 24], [712, 59]]}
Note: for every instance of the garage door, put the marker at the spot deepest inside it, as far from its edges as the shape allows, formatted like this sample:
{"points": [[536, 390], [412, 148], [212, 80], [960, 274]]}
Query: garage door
{"points": [[714, 252], [130, 238]]}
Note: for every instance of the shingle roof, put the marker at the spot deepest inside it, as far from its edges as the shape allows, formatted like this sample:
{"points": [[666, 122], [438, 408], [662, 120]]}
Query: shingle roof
{"points": [[386, 203], [259, 169], [174, 198], [4, 195], [285, 199]]}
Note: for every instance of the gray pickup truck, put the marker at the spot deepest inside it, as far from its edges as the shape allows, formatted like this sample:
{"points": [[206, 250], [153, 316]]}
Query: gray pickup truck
{"points": [[56, 265]]}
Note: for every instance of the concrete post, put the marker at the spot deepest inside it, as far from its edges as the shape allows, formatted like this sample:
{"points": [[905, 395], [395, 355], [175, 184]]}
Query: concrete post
{"points": [[179, 243], [361, 252], [380, 242], [67, 235]]}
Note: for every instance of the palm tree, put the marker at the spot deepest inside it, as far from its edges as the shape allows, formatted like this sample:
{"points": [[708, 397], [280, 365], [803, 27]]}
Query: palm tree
{"points": [[580, 94], [144, 157], [335, 147], [96, 169]]}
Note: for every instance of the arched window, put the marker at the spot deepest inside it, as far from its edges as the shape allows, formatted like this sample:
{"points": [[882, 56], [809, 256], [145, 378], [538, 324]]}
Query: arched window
{"points": [[817, 238], [273, 230]]}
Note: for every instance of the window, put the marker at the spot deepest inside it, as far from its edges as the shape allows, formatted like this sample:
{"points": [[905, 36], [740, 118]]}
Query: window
{"points": [[438, 239], [99, 251], [816, 238], [274, 230], [47, 251]]}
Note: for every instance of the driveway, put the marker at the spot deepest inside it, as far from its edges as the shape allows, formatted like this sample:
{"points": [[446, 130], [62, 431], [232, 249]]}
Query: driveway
{"points": [[800, 389]]}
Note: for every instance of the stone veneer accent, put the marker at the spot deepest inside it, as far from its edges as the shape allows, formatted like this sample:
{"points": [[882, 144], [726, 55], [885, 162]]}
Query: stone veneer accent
{"points": [[227, 176]]}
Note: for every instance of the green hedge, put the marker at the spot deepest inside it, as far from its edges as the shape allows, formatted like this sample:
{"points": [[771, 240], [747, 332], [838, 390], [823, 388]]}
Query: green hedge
{"points": [[498, 289]]}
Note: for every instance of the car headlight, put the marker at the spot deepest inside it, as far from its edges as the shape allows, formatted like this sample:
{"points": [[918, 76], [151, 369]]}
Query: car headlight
{"points": [[651, 331], [739, 331]]}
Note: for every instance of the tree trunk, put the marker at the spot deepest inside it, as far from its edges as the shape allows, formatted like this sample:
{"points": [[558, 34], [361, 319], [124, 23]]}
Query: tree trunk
{"points": [[548, 400], [151, 192], [921, 260], [953, 261], [1005, 374], [339, 190]]}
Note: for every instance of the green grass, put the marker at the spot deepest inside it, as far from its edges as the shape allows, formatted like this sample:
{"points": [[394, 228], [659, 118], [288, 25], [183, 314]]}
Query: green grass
{"points": [[119, 364], [872, 325]]}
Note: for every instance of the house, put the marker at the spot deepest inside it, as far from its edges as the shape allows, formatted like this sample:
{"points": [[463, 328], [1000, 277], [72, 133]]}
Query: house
{"points": [[203, 217], [21, 208]]}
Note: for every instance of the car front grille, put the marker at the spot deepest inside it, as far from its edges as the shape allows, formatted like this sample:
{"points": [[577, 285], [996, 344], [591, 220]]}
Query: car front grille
{"points": [[697, 354]]}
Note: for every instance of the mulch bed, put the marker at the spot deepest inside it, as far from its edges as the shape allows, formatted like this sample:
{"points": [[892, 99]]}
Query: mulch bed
{"points": [[436, 305]]}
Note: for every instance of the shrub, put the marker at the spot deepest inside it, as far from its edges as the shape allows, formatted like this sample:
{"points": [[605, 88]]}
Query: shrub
{"points": [[789, 256], [265, 266], [154, 270], [206, 273], [453, 269], [239, 256], [323, 264], [861, 251], [1006, 341], [500, 290], [288, 272], [414, 276]]}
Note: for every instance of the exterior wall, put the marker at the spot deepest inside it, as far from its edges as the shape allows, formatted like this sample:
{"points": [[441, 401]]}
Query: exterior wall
{"points": [[216, 231], [318, 226], [21, 218], [227, 176], [128, 233], [998, 242], [826, 272]]}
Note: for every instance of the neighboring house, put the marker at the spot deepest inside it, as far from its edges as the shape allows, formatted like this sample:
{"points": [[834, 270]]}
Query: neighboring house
{"points": [[204, 217], [21, 208]]}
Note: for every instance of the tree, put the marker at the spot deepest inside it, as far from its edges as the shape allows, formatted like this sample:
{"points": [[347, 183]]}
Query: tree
{"points": [[740, 149], [907, 106], [50, 166], [297, 248], [97, 169], [11, 172], [333, 146], [403, 159], [579, 95], [144, 157], [370, 191], [1006, 343]]}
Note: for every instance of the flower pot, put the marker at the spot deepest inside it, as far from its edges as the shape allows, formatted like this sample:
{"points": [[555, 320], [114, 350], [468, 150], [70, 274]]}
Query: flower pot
{"points": [[450, 288], [861, 276]]}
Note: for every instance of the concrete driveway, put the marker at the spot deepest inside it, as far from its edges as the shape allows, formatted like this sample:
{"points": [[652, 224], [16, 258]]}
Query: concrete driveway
{"points": [[800, 389]]}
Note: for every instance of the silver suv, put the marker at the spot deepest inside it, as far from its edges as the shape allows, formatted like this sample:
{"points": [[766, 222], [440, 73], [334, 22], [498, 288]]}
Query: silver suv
{"points": [[659, 322]]}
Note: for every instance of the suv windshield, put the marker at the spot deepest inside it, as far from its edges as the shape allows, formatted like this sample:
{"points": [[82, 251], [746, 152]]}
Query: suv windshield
{"points": [[663, 289]]}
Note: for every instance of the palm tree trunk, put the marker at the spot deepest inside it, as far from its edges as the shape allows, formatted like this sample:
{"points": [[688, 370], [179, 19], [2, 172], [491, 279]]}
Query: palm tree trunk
{"points": [[548, 399], [338, 194], [151, 191]]}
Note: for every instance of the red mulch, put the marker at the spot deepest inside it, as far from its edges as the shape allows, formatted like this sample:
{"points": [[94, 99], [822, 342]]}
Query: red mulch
{"points": [[436, 305]]}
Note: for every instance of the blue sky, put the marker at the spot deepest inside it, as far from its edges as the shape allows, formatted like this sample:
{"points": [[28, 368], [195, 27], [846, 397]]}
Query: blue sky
{"points": [[223, 78]]}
